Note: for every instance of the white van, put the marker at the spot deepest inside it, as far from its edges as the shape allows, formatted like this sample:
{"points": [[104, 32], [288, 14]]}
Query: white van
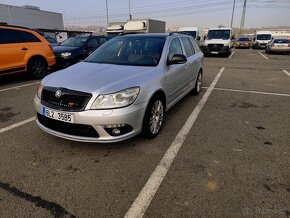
{"points": [[195, 32], [219, 41], [261, 39]]}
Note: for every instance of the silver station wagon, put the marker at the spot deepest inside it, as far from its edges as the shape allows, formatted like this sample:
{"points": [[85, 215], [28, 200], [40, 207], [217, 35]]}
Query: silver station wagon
{"points": [[122, 89]]}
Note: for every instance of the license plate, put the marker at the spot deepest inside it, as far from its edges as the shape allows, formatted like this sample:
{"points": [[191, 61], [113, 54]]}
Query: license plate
{"points": [[57, 115], [214, 52]]}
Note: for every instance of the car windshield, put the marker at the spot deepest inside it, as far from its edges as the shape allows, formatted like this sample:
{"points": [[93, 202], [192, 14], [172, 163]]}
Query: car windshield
{"points": [[76, 41], [192, 33], [219, 34], [282, 41], [133, 51], [264, 37], [243, 39]]}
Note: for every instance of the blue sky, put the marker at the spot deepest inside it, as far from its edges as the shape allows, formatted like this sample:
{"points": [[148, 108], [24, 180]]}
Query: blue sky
{"points": [[202, 13]]}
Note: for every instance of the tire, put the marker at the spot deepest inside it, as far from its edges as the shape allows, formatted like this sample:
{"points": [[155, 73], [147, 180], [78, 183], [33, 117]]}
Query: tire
{"points": [[198, 84], [37, 68], [153, 118]]}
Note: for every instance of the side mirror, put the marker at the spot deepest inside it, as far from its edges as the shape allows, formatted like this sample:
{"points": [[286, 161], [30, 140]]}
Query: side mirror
{"points": [[198, 38], [177, 59]]}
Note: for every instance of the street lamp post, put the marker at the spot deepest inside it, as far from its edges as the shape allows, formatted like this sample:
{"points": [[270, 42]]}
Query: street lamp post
{"points": [[130, 16], [107, 13], [233, 13]]}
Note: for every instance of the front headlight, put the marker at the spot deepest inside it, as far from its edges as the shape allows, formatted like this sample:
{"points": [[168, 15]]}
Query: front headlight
{"points": [[39, 90], [116, 100], [66, 54]]}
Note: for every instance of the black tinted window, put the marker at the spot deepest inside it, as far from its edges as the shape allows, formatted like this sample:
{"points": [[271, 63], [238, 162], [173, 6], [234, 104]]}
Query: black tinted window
{"points": [[187, 46], [28, 37], [16, 36], [9, 36]]}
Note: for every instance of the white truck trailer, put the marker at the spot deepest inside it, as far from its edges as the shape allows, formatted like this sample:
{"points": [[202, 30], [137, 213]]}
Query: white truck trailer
{"points": [[115, 29], [195, 32], [144, 26]]}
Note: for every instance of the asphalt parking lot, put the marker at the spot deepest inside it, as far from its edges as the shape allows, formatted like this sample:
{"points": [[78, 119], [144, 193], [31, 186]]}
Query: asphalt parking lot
{"points": [[224, 153]]}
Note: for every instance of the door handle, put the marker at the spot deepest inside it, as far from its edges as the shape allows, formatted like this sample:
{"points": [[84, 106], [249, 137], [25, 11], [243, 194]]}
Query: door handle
{"points": [[24, 49]]}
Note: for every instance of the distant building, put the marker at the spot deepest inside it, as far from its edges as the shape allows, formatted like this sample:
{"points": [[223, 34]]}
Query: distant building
{"points": [[31, 17]]}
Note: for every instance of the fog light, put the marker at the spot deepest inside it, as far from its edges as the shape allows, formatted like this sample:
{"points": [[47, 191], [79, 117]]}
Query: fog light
{"points": [[116, 132], [117, 129]]}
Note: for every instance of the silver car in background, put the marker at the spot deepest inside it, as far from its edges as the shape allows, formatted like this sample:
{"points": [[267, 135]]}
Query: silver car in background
{"points": [[278, 46], [122, 89]]}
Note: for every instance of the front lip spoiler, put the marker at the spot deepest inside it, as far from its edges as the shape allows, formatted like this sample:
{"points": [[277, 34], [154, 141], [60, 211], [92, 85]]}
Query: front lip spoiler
{"points": [[84, 139]]}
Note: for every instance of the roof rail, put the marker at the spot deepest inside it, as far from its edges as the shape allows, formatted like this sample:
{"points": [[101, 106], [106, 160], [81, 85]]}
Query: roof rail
{"points": [[5, 24]]}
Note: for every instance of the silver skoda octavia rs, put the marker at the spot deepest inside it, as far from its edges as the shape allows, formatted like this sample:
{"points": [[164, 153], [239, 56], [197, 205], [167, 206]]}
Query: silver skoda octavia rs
{"points": [[122, 89]]}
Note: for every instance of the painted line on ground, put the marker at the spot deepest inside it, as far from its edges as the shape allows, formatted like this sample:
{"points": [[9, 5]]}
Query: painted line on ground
{"points": [[263, 56], [286, 72], [253, 92], [18, 87], [15, 125], [232, 55], [141, 203]]}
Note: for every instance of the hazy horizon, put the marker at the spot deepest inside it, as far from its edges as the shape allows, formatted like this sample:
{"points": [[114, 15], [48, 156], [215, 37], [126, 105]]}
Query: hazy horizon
{"points": [[207, 13]]}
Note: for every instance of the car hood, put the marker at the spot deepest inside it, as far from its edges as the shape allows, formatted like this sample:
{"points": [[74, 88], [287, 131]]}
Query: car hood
{"points": [[61, 49], [97, 78]]}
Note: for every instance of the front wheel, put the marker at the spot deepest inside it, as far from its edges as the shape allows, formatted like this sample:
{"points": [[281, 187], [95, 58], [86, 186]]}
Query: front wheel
{"points": [[37, 68], [198, 84], [153, 119]]}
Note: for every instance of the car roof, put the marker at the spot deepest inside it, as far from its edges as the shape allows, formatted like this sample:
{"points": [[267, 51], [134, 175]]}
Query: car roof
{"points": [[159, 35]]}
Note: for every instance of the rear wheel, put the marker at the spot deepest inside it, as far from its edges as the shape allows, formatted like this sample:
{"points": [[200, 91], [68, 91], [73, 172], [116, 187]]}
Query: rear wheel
{"points": [[37, 68], [153, 119], [198, 84]]}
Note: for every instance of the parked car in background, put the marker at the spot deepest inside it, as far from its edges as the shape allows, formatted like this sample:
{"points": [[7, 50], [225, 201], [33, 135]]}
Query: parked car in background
{"points": [[278, 46], [24, 50], [219, 41], [261, 39], [243, 42], [51, 41], [122, 89], [77, 48]]}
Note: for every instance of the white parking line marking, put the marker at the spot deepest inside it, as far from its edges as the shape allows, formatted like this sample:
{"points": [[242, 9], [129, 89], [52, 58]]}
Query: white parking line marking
{"points": [[286, 72], [146, 195], [232, 54], [15, 125], [253, 92], [264, 56], [18, 87]]}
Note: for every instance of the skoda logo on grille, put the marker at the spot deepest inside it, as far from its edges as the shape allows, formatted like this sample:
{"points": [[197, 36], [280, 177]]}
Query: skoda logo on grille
{"points": [[58, 94]]}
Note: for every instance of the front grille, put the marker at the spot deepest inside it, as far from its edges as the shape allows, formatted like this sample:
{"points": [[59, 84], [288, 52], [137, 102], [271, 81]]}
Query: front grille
{"points": [[68, 128], [263, 44], [69, 100], [215, 47]]}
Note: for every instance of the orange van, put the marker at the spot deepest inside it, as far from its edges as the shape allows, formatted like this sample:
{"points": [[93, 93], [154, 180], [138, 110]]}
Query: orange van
{"points": [[24, 50]]}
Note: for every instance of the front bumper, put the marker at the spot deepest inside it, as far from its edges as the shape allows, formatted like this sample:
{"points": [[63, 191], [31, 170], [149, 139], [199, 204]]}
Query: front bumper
{"points": [[63, 62], [223, 51], [97, 119]]}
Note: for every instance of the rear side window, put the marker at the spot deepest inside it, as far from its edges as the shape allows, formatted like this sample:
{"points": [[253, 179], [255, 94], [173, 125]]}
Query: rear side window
{"points": [[16, 36], [28, 37], [195, 45], [187, 46], [174, 48]]}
